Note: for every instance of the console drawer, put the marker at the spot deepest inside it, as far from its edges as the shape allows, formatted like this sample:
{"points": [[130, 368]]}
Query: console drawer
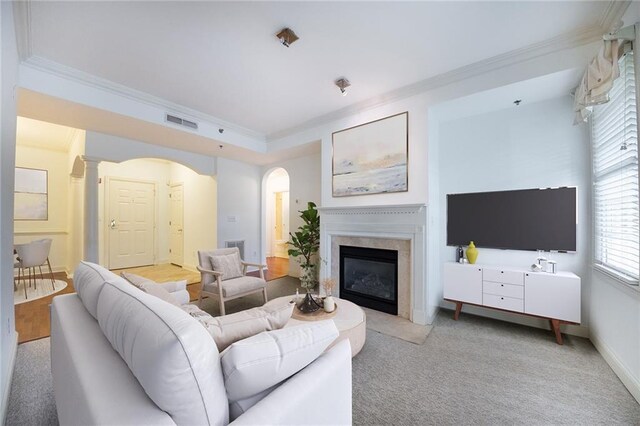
{"points": [[502, 276], [503, 302], [500, 289]]}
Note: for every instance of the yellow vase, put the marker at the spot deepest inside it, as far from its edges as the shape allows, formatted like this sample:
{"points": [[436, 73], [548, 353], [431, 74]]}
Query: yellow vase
{"points": [[472, 253]]}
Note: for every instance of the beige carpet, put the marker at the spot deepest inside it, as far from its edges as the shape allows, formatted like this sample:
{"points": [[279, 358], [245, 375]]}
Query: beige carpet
{"points": [[394, 326]]}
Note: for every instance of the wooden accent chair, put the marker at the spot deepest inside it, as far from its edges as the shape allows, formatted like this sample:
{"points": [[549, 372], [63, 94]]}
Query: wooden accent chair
{"points": [[223, 274]]}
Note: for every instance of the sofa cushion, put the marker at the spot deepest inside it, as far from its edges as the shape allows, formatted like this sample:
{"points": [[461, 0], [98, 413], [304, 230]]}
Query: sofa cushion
{"points": [[257, 363], [228, 329], [88, 279], [171, 355], [228, 264]]}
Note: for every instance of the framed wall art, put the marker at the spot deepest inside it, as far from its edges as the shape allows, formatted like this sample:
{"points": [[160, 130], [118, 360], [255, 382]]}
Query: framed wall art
{"points": [[31, 194], [371, 158]]}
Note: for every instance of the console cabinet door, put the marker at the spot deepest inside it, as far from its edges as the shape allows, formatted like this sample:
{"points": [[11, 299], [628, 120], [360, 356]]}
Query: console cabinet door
{"points": [[463, 283], [552, 296]]}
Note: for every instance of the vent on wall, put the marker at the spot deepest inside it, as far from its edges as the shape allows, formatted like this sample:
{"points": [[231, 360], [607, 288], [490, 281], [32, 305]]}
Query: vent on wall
{"points": [[181, 121], [237, 243]]}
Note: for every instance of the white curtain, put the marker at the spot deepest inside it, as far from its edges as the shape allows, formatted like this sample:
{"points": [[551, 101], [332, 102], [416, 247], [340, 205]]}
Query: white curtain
{"points": [[597, 80]]}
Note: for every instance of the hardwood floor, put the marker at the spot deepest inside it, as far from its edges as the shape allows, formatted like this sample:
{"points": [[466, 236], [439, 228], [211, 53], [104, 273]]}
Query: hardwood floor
{"points": [[277, 267], [163, 273], [32, 318], [33, 321]]}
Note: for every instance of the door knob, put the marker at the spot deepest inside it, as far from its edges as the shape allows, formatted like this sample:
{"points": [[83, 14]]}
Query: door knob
{"points": [[112, 224]]}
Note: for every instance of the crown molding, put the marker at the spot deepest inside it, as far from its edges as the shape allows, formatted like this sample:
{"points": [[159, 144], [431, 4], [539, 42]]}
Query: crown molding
{"points": [[552, 45], [51, 67], [613, 14], [22, 22]]}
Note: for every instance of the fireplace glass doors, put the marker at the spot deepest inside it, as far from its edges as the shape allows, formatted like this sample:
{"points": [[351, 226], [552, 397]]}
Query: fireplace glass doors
{"points": [[369, 277]]}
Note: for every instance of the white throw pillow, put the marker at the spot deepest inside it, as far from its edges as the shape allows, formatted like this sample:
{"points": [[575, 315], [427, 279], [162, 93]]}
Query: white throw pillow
{"points": [[231, 328], [228, 264], [150, 286], [136, 280], [173, 358], [88, 279], [257, 363]]}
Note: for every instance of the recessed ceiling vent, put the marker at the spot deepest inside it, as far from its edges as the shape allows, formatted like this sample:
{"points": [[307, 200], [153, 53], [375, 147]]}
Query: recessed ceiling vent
{"points": [[181, 122]]}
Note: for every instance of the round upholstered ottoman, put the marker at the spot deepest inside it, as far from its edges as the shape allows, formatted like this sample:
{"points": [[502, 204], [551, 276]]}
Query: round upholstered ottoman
{"points": [[349, 319]]}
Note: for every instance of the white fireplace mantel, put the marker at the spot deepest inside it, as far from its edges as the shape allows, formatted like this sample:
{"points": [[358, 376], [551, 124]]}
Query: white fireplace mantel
{"points": [[401, 222]]}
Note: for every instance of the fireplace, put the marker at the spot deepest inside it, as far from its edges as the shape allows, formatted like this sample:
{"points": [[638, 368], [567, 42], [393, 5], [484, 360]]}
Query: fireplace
{"points": [[369, 277]]}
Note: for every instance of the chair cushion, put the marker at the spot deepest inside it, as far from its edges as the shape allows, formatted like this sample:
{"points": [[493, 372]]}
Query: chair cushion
{"points": [[255, 364], [237, 286], [171, 355], [228, 329], [88, 279], [150, 286], [228, 264]]}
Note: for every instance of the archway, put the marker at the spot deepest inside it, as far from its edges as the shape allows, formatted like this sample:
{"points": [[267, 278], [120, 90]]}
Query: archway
{"points": [[275, 221]]}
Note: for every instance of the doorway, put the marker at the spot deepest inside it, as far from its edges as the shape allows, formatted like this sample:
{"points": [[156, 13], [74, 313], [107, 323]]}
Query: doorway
{"points": [[277, 219], [131, 222], [176, 220]]}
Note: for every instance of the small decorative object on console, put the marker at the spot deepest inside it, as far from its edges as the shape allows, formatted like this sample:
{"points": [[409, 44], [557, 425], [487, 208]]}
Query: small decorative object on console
{"points": [[536, 267], [472, 253], [459, 254]]}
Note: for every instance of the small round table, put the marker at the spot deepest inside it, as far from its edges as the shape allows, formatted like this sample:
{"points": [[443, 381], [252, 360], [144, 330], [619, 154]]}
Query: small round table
{"points": [[349, 319]]}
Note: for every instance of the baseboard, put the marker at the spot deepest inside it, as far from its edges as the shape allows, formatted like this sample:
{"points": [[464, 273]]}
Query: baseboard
{"points": [[623, 373], [192, 268], [419, 316], [573, 330], [7, 385]]}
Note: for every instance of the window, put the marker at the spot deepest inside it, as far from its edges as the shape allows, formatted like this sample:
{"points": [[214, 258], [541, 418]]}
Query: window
{"points": [[614, 135]]}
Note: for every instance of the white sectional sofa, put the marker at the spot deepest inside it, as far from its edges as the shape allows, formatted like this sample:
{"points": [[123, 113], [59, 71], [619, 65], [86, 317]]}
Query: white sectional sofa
{"points": [[121, 356]]}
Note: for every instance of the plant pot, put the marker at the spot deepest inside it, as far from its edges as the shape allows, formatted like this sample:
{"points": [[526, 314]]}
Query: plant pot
{"points": [[309, 277]]}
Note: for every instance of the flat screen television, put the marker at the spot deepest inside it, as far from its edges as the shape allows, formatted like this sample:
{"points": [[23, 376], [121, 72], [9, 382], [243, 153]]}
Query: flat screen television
{"points": [[529, 219]]}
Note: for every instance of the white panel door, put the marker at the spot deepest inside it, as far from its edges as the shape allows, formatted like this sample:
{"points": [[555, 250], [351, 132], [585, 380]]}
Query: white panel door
{"points": [[552, 295], [131, 223], [176, 224], [463, 283]]}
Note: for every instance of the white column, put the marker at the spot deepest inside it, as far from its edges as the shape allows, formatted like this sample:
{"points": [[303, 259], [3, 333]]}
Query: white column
{"points": [[91, 209]]}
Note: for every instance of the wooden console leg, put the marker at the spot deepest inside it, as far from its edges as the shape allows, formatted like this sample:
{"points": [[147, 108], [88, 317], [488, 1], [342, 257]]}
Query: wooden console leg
{"points": [[555, 326], [458, 309]]}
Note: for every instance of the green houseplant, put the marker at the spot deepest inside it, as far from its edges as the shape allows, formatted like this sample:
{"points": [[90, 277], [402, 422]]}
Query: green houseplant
{"points": [[305, 243]]}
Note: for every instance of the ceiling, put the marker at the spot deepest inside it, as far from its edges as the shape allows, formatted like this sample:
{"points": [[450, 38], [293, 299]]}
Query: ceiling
{"points": [[530, 91], [222, 58], [40, 134]]}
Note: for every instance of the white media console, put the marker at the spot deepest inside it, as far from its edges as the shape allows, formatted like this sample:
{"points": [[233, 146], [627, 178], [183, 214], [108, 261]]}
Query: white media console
{"points": [[555, 297]]}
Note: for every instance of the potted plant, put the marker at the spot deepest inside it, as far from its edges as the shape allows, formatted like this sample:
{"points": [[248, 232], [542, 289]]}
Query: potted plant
{"points": [[305, 243]]}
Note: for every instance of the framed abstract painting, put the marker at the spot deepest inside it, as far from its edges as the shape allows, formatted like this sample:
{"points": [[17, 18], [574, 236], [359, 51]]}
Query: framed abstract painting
{"points": [[371, 158], [31, 194]]}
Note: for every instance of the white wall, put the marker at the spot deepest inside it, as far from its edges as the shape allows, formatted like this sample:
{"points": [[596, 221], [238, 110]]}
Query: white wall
{"points": [[8, 81], [56, 226], [529, 146], [304, 186], [239, 206], [200, 198]]}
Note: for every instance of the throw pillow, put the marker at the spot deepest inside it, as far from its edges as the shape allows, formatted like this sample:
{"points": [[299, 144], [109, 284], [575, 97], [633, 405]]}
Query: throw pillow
{"points": [[228, 264], [150, 287], [228, 329], [255, 364], [136, 280]]}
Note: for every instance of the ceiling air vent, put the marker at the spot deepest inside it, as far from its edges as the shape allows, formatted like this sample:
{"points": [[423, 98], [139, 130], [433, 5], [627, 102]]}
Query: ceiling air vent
{"points": [[182, 122]]}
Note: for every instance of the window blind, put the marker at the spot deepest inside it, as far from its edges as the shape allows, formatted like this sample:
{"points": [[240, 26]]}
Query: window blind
{"points": [[614, 134]]}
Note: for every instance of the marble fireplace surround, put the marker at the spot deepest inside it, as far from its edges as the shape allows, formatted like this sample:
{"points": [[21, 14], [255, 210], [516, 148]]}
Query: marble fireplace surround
{"points": [[398, 227]]}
